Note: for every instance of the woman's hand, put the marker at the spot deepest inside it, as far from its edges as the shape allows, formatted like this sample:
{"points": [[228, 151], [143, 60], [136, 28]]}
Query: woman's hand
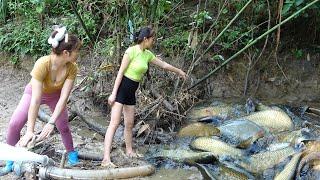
{"points": [[182, 74], [25, 139], [46, 131], [111, 99]]}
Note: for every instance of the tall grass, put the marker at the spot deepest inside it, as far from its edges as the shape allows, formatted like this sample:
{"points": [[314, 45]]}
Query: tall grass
{"points": [[3, 10]]}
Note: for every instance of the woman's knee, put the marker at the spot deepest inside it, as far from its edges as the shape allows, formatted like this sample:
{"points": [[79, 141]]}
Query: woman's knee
{"points": [[128, 124], [15, 125], [64, 130], [63, 127]]}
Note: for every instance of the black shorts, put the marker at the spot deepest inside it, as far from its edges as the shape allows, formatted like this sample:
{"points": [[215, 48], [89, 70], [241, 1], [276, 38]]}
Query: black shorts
{"points": [[127, 91]]}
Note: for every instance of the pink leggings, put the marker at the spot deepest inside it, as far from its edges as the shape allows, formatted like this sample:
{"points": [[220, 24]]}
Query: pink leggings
{"points": [[20, 117]]}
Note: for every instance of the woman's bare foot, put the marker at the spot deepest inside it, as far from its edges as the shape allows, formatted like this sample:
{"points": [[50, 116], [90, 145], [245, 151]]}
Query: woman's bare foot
{"points": [[134, 155], [108, 165]]}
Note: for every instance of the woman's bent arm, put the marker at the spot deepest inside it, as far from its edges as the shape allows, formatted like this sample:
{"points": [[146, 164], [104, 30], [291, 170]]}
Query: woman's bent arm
{"points": [[62, 102], [124, 64], [35, 104]]}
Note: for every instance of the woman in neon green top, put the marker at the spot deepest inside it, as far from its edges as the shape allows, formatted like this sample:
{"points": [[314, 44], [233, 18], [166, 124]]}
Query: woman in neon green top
{"points": [[133, 67]]}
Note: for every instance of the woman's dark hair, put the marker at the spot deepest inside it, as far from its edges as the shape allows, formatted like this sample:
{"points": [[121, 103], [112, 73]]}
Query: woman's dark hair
{"points": [[145, 32], [73, 43]]}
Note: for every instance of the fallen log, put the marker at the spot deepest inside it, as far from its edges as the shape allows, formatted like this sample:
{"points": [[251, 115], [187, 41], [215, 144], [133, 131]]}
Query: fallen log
{"points": [[86, 155], [118, 173]]}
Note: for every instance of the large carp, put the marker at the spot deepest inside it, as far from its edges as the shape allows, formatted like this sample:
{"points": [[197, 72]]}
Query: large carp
{"points": [[183, 155], [218, 109], [289, 170], [241, 133], [222, 172], [257, 163], [198, 129], [272, 120], [217, 147], [293, 137]]}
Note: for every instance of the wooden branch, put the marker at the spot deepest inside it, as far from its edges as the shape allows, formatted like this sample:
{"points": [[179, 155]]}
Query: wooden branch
{"points": [[166, 104], [91, 123], [87, 155], [74, 8]]}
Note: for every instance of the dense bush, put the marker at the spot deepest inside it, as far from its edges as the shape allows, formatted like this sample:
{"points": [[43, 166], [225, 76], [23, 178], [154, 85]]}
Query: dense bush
{"points": [[25, 24]]}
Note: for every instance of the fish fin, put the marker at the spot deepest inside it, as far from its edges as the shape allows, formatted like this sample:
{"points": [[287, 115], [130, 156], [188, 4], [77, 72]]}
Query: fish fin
{"points": [[215, 120], [299, 147]]}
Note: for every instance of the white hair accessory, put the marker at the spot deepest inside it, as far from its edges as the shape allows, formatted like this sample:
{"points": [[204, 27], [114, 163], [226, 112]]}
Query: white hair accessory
{"points": [[62, 32], [66, 38]]}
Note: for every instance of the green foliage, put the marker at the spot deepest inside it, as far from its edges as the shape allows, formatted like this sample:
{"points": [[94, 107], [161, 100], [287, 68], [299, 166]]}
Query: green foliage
{"points": [[163, 7], [298, 53], [105, 47], [175, 43], [217, 57], [27, 39], [291, 6], [14, 60], [201, 17], [35, 25], [172, 20], [3, 9]]}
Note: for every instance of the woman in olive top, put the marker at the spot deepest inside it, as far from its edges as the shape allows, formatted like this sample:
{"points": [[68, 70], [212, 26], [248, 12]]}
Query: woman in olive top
{"points": [[51, 83], [133, 67]]}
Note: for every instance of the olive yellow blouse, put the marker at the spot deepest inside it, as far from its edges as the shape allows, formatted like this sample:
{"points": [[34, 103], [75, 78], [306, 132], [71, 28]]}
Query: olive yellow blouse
{"points": [[41, 72]]}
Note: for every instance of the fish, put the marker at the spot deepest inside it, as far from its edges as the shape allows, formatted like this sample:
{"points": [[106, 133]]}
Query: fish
{"points": [[306, 159], [241, 133], [272, 120], [216, 110], [184, 155], [222, 171], [206, 171], [293, 136], [257, 163], [199, 129], [277, 146], [261, 107], [217, 147], [289, 170]]}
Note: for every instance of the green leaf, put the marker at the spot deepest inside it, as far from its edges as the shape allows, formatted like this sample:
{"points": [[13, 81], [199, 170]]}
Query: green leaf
{"points": [[39, 9], [218, 58], [299, 2], [224, 11], [286, 8]]}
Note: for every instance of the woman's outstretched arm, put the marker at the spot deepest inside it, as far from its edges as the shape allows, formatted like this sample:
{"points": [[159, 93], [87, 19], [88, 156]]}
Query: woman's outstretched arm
{"points": [[169, 67]]}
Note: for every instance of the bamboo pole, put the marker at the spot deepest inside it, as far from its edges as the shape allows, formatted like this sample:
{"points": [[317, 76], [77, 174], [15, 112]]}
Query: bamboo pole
{"points": [[118, 173], [253, 42], [221, 33]]}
